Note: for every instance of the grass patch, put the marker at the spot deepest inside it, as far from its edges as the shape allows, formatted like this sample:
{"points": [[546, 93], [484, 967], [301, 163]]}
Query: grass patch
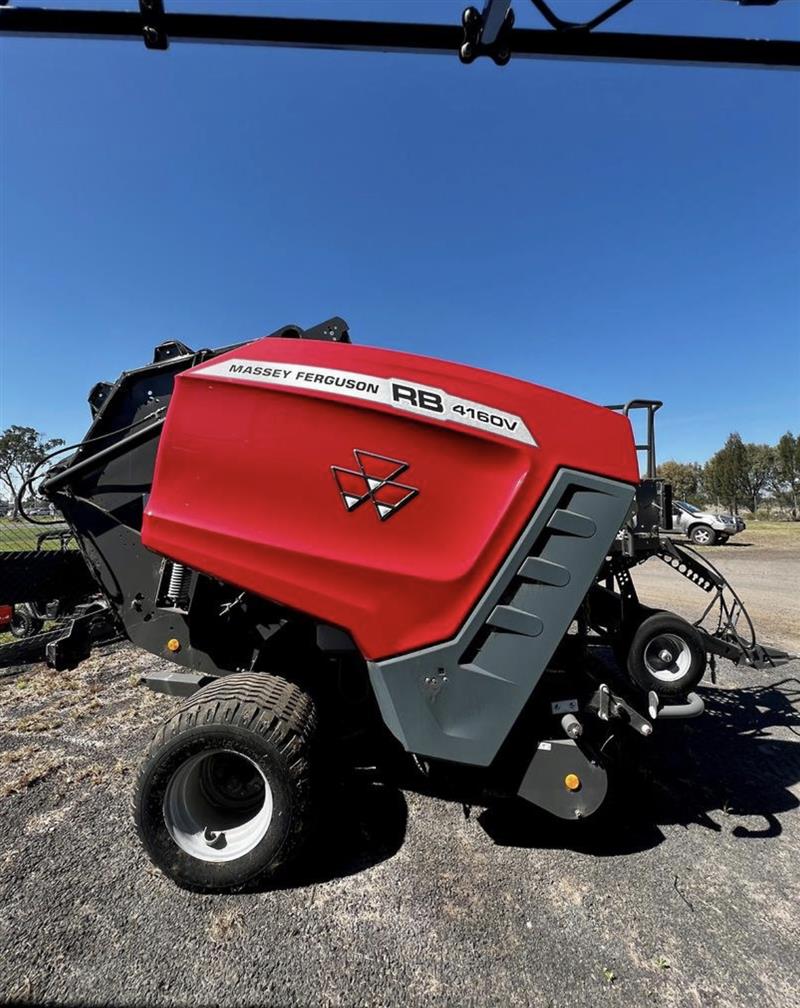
{"points": [[784, 533], [6, 637], [21, 535], [779, 535], [23, 767], [39, 721]]}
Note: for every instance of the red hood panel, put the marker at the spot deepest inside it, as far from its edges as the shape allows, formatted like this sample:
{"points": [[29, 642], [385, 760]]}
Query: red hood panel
{"points": [[375, 490]]}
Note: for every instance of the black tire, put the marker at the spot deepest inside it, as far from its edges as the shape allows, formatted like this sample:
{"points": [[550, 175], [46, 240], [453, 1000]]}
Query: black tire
{"points": [[703, 535], [243, 740], [722, 538], [666, 655], [24, 622], [622, 639]]}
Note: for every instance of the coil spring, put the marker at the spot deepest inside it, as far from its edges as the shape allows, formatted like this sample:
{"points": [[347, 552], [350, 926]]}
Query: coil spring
{"points": [[178, 579]]}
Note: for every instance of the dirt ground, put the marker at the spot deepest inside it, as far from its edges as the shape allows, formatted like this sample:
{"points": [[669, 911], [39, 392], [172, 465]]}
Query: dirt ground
{"points": [[687, 896]]}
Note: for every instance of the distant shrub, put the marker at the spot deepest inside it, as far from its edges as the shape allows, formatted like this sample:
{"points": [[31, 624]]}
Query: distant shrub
{"points": [[769, 512]]}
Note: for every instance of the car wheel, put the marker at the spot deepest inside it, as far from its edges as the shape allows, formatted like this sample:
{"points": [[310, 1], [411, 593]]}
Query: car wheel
{"points": [[703, 535], [224, 794], [24, 622], [666, 655]]}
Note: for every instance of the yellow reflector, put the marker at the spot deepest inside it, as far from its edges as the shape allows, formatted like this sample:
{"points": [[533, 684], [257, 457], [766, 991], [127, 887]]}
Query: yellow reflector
{"points": [[173, 644], [572, 782]]}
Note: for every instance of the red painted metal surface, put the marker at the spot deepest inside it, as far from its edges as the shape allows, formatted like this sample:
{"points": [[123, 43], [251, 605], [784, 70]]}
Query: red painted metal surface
{"points": [[244, 488]]}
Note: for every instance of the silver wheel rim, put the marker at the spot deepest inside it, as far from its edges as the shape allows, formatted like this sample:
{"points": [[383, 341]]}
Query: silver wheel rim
{"points": [[218, 805], [668, 657], [702, 535]]}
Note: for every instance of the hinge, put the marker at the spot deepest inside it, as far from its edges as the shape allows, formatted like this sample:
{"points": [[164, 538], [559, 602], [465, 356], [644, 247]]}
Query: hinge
{"points": [[483, 37], [153, 24]]}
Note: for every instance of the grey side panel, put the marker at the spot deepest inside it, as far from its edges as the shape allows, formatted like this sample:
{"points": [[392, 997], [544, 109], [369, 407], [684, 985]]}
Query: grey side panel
{"points": [[459, 700]]}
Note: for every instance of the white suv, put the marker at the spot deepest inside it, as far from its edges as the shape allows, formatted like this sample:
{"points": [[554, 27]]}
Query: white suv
{"points": [[703, 527]]}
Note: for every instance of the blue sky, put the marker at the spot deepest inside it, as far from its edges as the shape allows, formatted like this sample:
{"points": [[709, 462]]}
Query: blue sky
{"points": [[609, 230]]}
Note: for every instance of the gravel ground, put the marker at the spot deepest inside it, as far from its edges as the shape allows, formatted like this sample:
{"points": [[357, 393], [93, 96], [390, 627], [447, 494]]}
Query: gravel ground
{"points": [[689, 895], [689, 898]]}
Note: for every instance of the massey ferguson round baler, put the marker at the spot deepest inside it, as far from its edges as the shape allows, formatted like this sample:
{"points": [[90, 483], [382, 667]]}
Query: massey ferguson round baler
{"points": [[329, 540]]}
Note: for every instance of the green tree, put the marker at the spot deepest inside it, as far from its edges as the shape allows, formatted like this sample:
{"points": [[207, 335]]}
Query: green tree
{"points": [[21, 449], [724, 473], [758, 474], [686, 479], [787, 470]]}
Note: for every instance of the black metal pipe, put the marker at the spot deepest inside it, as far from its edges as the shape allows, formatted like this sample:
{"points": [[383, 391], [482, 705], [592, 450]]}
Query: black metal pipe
{"points": [[94, 462], [531, 43], [651, 442]]}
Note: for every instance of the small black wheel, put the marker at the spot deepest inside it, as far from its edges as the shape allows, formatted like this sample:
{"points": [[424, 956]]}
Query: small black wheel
{"points": [[25, 622], [623, 638], [225, 792], [666, 655], [722, 538], [703, 535]]}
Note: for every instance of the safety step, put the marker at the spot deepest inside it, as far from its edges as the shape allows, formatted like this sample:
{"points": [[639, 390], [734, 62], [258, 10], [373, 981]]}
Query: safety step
{"points": [[572, 523], [506, 617], [544, 572]]}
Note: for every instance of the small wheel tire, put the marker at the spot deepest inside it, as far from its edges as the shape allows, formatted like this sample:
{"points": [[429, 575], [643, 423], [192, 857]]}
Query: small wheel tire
{"points": [[703, 535], [666, 655], [225, 793], [722, 539], [621, 641], [24, 622]]}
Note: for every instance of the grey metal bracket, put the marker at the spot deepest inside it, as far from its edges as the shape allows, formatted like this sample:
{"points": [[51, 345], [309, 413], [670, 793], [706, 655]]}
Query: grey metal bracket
{"points": [[608, 705], [181, 684]]}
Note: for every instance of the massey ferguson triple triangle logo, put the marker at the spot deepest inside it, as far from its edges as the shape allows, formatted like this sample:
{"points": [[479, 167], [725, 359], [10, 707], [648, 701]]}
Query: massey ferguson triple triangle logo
{"points": [[374, 480]]}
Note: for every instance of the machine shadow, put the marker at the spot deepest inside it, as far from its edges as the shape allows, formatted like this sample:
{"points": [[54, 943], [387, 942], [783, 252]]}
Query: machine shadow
{"points": [[725, 762], [363, 822]]}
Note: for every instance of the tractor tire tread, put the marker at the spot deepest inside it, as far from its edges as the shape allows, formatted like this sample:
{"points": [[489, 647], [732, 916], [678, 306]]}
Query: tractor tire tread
{"points": [[268, 705]]}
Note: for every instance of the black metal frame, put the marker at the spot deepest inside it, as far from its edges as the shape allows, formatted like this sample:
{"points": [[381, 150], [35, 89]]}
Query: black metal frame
{"points": [[647, 534], [481, 34], [652, 406], [725, 627], [66, 645]]}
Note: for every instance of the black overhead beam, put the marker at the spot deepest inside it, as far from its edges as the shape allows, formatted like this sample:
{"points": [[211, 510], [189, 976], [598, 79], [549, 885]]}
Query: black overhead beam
{"points": [[379, 36]]}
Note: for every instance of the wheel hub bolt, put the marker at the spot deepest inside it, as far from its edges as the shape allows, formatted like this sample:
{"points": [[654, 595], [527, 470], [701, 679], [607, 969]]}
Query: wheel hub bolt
{"points": [[665, 655]]}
